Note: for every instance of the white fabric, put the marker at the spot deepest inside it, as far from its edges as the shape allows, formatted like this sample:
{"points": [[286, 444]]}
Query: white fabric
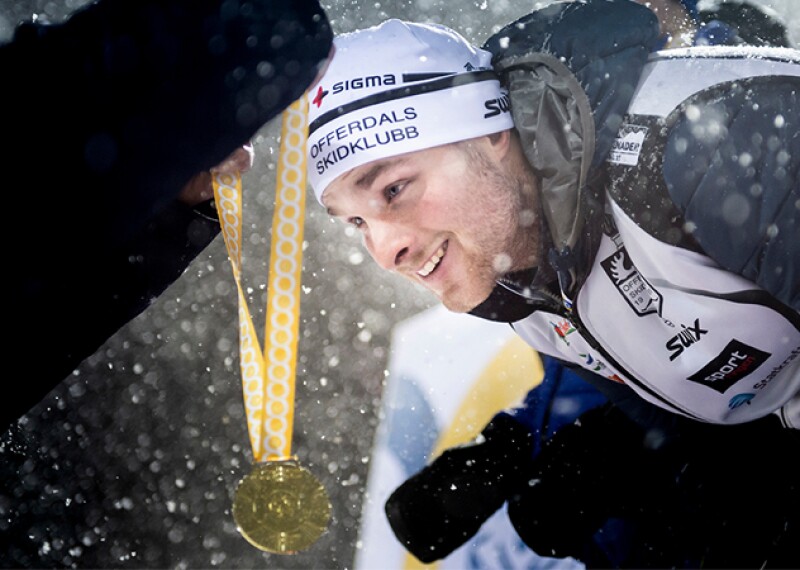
{"points": [[390, 57], [659, 93], [681, 343], [669, 317]]}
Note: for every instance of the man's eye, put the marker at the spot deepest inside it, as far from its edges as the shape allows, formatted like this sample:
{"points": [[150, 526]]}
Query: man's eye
{"points": [[356, 221], [393, 190]]}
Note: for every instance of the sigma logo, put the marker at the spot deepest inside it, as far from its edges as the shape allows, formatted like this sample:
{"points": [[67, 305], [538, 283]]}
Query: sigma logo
{"points": [[496, 106], [684, 339], [736, 361], [355, 83], [363, 82], [321, 94]]}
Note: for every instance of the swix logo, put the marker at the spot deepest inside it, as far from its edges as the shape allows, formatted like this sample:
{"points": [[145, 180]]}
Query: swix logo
{"points": [[496, 106], [319, 97], [364, 82], [736, 361], [684, 339]]}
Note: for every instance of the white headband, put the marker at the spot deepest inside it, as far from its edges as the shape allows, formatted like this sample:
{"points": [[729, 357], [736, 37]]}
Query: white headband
{"points": [[397, 88]]}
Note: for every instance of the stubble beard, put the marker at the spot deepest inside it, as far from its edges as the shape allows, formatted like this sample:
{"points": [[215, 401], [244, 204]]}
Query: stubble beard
{"points": [[508, 222]]}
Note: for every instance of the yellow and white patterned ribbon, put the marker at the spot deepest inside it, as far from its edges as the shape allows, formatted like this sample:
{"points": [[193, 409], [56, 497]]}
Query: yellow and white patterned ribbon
{"points": [[268, 376]]}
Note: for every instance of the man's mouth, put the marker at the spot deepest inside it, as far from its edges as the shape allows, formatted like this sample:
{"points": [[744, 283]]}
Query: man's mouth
{"points": [[433, 262]]}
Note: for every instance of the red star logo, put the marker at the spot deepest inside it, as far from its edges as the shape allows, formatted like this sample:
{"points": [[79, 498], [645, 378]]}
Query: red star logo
{"points": [[319, 97]]}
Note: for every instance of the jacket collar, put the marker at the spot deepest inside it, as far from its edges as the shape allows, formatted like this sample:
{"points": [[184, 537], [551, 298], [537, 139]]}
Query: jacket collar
{"points": [[571, 70]]}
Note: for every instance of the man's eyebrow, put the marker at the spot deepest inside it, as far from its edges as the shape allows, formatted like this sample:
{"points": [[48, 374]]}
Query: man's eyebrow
{"points": [[366, 179]]}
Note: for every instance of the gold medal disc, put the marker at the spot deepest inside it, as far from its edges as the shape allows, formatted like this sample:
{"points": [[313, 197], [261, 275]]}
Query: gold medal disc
{"points": [[281, 507]]}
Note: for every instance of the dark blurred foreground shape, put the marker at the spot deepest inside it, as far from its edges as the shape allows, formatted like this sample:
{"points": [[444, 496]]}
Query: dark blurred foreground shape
{"points": [[611, 493], [106, 117]]}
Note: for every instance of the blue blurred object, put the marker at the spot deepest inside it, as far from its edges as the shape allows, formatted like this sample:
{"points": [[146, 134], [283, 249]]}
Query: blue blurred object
{"points": [[691, 7], [715, 33]]}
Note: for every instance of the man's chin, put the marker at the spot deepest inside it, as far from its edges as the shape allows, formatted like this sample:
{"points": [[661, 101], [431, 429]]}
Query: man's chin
{"points": [[463, 303], [455, 307]]}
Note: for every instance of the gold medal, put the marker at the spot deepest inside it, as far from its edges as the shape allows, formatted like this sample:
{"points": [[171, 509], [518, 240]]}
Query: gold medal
{"points": [[281, 507]]}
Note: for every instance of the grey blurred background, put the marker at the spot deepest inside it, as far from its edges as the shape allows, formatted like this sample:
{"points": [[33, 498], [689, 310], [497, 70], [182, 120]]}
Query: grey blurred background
{"points": [[131, 462]]}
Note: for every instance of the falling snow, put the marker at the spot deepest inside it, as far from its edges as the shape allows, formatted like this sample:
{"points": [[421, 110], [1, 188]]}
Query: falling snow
{"points": [[132, 460]]}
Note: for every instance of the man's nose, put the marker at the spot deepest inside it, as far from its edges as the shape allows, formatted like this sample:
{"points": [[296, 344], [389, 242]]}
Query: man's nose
{"points": [[390, 244]]}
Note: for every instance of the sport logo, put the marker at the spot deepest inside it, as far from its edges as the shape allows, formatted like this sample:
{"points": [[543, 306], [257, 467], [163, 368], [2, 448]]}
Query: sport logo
{"points": [[684, 339], [632, 286], [736, 361]]}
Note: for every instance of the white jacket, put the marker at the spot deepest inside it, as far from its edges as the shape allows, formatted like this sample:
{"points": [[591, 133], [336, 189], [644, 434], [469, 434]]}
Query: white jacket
{"points": [[667, 321]]}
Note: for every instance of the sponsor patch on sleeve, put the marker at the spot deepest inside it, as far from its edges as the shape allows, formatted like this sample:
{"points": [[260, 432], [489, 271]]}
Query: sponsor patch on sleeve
{"points": [[628, 145]]}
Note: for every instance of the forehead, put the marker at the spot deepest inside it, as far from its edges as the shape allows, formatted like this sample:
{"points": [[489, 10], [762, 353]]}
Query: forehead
{"points": [[364, 176]]}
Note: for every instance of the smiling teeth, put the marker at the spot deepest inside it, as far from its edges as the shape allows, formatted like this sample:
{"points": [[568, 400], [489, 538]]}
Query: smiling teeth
{"points": [[432, 263]]}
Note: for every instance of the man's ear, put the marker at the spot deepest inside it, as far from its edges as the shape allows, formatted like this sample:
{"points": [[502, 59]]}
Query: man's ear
{"points": [[500, 143]]}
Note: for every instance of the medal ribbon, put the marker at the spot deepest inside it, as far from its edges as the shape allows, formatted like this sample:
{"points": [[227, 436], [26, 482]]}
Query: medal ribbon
{"points": [[268, 375]]}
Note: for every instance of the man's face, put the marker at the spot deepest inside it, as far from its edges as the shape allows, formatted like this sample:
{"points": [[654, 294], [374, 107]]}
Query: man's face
{"points": [[448, 218]]}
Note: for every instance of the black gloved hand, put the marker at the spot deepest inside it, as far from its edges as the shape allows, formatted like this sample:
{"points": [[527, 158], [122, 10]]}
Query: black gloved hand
{"points": [[441, 507], [601, 467], [610, 493]]}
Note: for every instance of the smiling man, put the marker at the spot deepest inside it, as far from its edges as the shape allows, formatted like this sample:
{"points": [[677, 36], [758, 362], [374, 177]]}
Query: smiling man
{"points": [[635, 216], [641, 227], [409, 204], [415, 222]]}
